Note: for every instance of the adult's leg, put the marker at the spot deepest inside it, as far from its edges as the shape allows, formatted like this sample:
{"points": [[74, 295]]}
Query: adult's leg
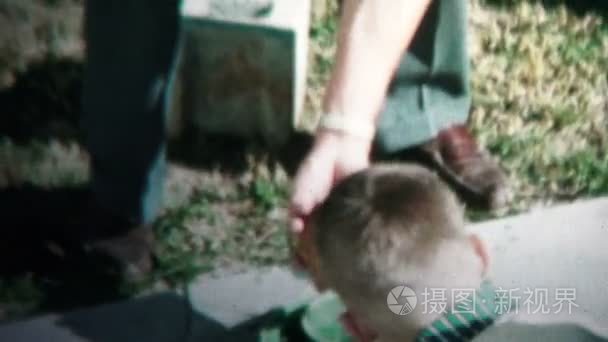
{"points": [[130, 51], [430, 91], [428, 105]]}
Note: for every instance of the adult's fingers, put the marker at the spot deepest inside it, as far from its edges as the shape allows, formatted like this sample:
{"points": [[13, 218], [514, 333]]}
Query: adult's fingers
{"points": [[309, 191], [312, 184], [302, 198], [296, 223]]}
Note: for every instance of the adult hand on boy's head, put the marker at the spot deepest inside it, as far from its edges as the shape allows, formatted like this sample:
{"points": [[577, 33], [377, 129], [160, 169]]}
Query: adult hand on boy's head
{"points": [[332, 157]]}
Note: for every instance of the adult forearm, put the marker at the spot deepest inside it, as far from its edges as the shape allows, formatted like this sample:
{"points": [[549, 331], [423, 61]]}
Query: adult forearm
{"points": [[372, 38]]}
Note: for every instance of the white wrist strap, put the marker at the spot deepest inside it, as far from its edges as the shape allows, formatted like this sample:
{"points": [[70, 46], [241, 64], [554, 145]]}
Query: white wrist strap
{"points": [[353, 126]]}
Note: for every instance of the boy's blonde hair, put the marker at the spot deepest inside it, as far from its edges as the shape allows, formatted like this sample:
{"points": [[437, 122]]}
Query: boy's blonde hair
{"points": [[381, 228]]}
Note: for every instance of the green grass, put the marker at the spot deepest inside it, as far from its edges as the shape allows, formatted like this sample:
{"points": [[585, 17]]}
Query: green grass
{"points": [[181, 256], [539, 97], [245, 224]]}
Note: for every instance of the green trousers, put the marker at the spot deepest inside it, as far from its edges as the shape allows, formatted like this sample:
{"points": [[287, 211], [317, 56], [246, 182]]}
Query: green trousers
{"points": [[430, 90], [130, 55]]}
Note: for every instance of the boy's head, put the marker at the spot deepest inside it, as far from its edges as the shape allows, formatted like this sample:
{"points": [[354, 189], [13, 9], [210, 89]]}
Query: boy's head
{"points": [[393, 225]]}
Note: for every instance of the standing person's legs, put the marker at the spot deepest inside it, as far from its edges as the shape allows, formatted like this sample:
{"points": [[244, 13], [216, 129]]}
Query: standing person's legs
{"points": [[428, 105], [130, 51], [430, 91], [129, 55]]}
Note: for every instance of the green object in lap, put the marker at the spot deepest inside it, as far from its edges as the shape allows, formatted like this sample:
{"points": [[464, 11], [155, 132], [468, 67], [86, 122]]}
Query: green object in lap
{"points": [[321, 320], [314, 321], [430, 91]]}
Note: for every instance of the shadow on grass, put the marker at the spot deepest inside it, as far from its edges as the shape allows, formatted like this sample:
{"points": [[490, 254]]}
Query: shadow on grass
{"points": [[43, 105], [72, 282], [229, 154], [580, 7], [39, 232]]}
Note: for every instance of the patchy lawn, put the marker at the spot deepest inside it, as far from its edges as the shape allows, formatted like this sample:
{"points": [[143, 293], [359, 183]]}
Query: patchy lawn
{"points": [[540, 105]]}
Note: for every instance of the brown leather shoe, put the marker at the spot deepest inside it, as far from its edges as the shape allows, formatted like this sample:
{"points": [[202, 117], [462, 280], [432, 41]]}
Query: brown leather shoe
{"points": [[469, 169], [131, 252], [123, 248], [55, 230]]}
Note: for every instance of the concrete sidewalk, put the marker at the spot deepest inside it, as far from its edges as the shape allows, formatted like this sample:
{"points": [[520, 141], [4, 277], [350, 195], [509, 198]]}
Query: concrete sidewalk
{"points": [[556, 248], [553, 263]]}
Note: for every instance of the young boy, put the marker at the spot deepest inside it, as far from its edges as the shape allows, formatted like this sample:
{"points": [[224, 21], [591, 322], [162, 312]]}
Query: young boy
{"points": [[385, 227], [391, 242]]}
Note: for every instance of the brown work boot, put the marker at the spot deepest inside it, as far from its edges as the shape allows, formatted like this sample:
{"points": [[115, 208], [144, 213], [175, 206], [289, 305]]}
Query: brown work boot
{"points": [[469, 169]]}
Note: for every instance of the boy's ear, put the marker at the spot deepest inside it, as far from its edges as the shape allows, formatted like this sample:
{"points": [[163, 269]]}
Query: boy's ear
{"points": [[481, 250], [307, 255]]}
